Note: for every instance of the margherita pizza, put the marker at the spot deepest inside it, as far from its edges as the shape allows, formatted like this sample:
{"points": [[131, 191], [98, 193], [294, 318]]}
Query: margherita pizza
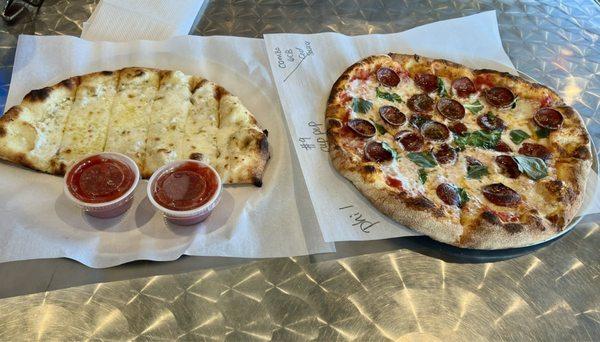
{"points": [[473, 158], [153, 116]]}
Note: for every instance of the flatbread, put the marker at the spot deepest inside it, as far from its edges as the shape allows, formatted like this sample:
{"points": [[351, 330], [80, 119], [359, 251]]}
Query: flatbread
{"points": [[473, 158], [153, 116]]}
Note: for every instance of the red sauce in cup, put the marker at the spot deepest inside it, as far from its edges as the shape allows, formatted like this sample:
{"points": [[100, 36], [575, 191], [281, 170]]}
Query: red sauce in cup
{"points": [[99, 179], [186, 187]]}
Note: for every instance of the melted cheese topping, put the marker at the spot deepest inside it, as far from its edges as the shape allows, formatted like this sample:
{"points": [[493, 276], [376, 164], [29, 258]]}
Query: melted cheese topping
{"points": [[405, 171], [86, 127], [168, 116], [131, 112], [202, 125]]}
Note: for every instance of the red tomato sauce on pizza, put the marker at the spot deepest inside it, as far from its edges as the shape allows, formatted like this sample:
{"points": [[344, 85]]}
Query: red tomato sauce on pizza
{"points": [[99, 179], [185, 187]]}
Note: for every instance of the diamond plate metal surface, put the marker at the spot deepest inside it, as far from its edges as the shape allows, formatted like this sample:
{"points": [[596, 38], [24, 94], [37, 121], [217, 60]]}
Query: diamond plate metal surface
{"points": [[419, 292], [401, 295]]}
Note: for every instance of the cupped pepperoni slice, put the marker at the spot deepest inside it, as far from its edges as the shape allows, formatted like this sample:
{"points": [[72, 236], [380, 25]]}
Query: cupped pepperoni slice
{"points": [[420, 103], [392, 115], [450, 109], [388, 77], [502, 147], [490, 122], [410, 141], [374, 151], [508, 166], [445, 154], [433, 130], [427, 82], [463, 87], [448, 193], [334, 123], [458, 128], [501, 195], [548, 118], [535, 150], [364, 128], [499, 97]]}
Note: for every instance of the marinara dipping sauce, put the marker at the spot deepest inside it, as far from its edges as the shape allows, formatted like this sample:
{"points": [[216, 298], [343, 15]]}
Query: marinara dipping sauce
{"points": [[103, 184], [185, 191]]}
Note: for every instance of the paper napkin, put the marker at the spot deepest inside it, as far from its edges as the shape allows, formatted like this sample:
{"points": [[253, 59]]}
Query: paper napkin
{"points": [[126, 20]]}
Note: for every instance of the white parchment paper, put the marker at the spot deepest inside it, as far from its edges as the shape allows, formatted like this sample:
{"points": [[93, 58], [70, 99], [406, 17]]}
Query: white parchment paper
{"points": [[305, 68], [39, 222]]}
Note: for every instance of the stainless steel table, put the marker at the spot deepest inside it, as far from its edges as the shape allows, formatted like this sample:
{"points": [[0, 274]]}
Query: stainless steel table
{"points": [[401, 289]]}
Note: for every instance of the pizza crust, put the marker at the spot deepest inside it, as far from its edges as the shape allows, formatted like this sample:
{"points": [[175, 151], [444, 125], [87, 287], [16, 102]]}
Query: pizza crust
{"points": [[435, 219]]}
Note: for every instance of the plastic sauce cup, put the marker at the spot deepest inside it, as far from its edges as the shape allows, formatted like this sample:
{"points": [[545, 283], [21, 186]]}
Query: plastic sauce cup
{"points": [[189, 216], [110, 208]]}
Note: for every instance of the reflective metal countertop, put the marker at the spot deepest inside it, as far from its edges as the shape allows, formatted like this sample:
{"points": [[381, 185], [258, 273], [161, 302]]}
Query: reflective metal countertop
{"points": [[400, 289]]}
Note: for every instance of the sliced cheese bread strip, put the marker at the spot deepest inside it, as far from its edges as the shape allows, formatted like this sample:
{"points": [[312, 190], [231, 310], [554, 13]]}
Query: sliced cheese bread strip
{"points": [[30, 133], [131, 111], [202, 124], [87, 124], [242, 145], [167, 119]]}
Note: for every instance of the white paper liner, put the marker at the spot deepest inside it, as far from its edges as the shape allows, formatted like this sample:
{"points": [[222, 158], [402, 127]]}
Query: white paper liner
{"points": [[39, 222]]}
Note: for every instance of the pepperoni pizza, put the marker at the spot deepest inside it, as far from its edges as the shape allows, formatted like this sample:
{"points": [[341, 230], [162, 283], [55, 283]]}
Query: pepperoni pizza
{"points": [[473, 158]]}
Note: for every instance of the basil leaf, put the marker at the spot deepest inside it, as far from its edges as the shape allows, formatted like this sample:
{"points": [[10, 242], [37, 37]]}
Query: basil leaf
{"points": [[380, 129], [542, 133], [423, 159], [423, 176], [483, 139], [389, 148], [361, 106], [460, 141], [442, 88], [474, 107], [418, 120], [388, 96], [534, 168], [476, 171], [464, 197], [513, 104], [488, 140], [518, 136]]}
